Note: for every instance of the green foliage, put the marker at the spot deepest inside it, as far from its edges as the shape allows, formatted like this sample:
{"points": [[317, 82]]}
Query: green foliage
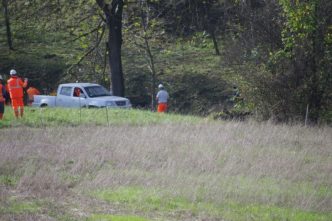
{"points": [[300, 22], [49, 40], [201, 40], [299, 71], [42, 70]]}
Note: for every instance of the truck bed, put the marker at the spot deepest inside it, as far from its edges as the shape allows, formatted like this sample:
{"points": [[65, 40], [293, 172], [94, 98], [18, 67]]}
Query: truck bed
{"points": [[43, 100]]}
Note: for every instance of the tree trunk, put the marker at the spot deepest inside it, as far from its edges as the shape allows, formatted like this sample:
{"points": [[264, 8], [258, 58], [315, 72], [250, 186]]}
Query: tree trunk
{"points": [[315, 64], [153, 73], [113, 14], [215, 42], [9, 33]]}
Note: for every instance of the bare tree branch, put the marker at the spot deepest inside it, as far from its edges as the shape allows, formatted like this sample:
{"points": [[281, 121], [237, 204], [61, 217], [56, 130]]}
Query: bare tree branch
{"points": [[89, 51], [87, 33]]}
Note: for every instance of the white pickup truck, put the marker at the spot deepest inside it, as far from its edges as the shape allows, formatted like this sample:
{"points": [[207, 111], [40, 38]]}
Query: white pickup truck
{"points": [[81, 95]]}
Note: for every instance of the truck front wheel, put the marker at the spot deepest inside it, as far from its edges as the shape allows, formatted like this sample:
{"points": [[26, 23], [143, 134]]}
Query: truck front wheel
{"points": [[91, 106]]}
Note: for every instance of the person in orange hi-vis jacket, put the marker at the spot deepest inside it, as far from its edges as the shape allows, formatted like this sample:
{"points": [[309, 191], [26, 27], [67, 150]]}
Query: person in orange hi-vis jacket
{"points": [[2, 98], [31, 92], [15, 87]]}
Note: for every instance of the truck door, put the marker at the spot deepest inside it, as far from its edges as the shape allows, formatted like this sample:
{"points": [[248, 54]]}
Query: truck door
{"points": [[64, 96], [78, 98]]}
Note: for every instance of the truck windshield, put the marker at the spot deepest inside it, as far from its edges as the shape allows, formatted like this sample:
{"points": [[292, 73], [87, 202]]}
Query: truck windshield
{"points": [[96, 91]]}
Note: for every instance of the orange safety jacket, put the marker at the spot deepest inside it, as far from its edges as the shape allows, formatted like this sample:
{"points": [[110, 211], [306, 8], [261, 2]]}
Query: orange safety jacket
{"points": [[2, 98], [31, 92], [15, 87]]}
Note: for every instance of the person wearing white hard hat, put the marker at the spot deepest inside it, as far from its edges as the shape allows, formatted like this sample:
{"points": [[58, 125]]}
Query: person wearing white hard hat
{"points": [[2, 98], [162, 99], [15, 87]]}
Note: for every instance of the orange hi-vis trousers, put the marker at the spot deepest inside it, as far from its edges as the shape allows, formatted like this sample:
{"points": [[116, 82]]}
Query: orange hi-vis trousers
{"points": [[18, 106], [162, 107], [17, 102]]}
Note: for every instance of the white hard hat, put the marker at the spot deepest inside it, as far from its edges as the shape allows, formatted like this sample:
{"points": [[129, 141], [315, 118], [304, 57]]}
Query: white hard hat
{"points": [[1, 77], [12, 72], [160, 86]]}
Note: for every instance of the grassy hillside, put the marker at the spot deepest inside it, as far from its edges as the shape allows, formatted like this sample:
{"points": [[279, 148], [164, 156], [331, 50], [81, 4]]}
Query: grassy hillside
{"points": [[143, 166], [197, 80]]}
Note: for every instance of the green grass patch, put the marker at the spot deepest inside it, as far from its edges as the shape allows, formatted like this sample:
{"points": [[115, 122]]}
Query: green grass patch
{"points": [[268, 187], [150, 200], [41, 117], [242, 212], [144, 200], [8, 180], [19, 207], [107, 217]]}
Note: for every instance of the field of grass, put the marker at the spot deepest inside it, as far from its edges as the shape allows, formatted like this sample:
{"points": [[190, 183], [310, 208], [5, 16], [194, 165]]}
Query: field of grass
{"points": [[55, 117], [135, 165]]}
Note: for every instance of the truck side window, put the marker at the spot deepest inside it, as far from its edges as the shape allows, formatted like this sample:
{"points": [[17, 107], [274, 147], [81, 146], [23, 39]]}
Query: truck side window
{"points": [[66, 91]]}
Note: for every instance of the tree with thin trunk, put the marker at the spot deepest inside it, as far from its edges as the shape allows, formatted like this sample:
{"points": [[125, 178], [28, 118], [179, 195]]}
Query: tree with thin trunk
{"points": [[7, 22], [145, 19], [113, 14]]}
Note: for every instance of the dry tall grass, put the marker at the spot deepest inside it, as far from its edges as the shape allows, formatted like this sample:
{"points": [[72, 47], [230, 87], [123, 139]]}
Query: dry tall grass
{"points": [[258, 163]]}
